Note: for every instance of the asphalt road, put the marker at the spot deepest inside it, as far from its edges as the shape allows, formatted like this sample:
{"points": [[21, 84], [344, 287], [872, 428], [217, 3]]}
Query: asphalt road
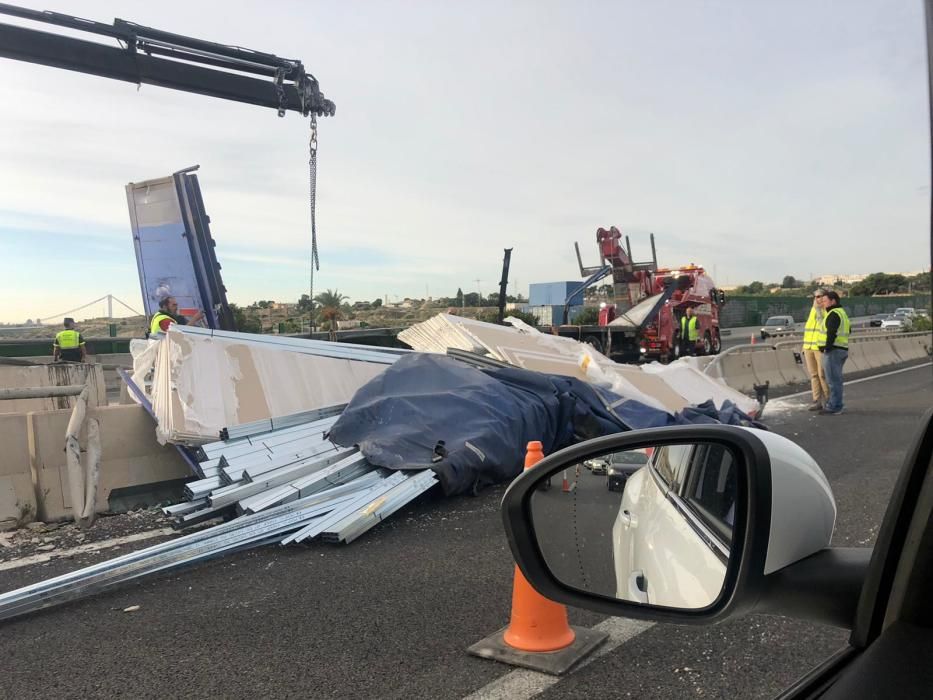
{"points": [[575, 529], [391, 615]]}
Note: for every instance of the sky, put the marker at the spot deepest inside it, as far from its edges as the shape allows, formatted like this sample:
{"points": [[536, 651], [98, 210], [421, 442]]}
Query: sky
{"points": [[759, 139]]}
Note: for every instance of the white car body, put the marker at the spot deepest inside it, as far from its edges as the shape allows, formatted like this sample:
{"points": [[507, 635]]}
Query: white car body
{"points": [[667, 551], [905, 311], [664, 555], [892, 324]]}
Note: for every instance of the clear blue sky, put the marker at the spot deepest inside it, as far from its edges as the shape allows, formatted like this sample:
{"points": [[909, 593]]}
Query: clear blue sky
{"points": [[757, 138]]}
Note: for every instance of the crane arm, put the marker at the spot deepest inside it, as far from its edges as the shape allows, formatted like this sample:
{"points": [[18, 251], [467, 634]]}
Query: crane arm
{"points": [[155, 57]]}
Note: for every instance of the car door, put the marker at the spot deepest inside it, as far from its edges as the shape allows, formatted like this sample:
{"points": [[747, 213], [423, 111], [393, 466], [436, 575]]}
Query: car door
{"points": [[656, 534]]}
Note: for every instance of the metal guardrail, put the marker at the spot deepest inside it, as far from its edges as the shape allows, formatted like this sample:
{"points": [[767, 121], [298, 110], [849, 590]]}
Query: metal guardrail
{"points": [[873, 335]]}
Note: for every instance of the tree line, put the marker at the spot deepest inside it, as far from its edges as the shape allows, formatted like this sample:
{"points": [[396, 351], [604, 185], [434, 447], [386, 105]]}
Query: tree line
{"points": [[875, 284]]}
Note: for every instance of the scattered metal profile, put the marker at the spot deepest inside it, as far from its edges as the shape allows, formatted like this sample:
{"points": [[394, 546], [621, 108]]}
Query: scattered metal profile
{"points": [[245, 531], [283, 496], [231, 494], [294, 491], [392, 500], [359, 501], [245, 445], [268, 425], [477, 360]]}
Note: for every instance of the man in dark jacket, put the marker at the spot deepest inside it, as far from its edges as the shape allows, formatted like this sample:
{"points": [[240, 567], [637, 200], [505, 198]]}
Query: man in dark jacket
{"points": [[835, 350]]}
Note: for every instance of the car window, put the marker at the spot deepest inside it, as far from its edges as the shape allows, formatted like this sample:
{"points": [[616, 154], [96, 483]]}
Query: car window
{"points": [[710, 489], [668, 463], [629, 457]]}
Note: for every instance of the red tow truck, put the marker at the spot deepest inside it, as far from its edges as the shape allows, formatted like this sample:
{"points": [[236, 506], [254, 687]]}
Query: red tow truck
{"points": [[643, 323]]}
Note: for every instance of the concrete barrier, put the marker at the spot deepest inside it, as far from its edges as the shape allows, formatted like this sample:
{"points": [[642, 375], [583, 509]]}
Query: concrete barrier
{"points": [[883, 352], [793, 372], [736, 370], [62, 374], [870, 354], [17, 495], [903, 349], [911, 347], [130, 456], [765, 364], [857, 361]]}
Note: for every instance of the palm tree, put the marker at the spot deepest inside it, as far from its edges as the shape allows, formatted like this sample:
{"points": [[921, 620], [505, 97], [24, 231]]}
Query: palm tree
{"points": [[330, 302]]}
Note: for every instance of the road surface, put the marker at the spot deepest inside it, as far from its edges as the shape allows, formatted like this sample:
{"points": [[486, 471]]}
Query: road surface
{"points": [[391, 615]]}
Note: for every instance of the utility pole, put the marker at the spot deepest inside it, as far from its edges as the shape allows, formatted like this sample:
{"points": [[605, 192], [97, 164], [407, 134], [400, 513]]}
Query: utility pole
{"points": [[503, 284], [479, 291], [110, 307]]}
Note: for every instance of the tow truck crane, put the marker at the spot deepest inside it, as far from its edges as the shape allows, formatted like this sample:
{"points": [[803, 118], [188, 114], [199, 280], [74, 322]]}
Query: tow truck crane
{"points": [[643, 323]]}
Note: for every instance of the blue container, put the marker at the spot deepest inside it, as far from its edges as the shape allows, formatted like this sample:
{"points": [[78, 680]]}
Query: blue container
{"points": [[554, 293], [549, 315]]}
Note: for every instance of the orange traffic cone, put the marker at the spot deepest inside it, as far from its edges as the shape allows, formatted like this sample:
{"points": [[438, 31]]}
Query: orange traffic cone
{"points": [[537, 624], [565, 487], [538, 636], [753, 339]]}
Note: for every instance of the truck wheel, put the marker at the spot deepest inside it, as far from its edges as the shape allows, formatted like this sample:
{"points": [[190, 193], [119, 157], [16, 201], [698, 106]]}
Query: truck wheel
{"points": [[707, 344], [594, 343], [717, 342]]}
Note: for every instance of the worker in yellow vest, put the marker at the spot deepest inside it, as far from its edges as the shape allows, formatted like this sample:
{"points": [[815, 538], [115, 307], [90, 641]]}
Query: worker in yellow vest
{"points": [[814, 336], [68, 344], [689, 332], [835, 350], [168, 314]]}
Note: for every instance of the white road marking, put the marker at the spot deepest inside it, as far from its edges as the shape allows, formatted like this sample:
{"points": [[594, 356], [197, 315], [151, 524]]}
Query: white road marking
{"points": [[854, 381], [84, 548], [524, 683]]}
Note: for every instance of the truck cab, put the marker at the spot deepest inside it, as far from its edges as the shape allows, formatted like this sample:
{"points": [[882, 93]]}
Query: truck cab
{"points": [[695, 289]]}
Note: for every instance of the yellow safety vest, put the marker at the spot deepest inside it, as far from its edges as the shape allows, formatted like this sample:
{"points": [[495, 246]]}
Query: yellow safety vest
{"points": [[154, 327], [814, 332], [690, 331], [68, 340], [845, 326]]}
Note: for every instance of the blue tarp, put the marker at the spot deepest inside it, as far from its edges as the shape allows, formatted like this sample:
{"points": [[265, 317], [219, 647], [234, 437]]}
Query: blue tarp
{"points": [[471, 426]]}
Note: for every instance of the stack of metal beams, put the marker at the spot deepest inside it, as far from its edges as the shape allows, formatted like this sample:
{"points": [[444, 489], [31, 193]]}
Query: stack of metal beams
{"points": [[276, 481], [280, 460]]}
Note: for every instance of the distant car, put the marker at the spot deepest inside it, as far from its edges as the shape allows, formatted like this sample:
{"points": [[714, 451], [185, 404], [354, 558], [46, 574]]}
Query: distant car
{"points": [[597, 466], [905, 311], [876, 320], [778, 325], [621, 466], [895, 323]]}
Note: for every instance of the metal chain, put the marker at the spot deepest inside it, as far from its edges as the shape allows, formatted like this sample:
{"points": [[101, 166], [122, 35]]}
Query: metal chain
{"points": [[312, 189]]}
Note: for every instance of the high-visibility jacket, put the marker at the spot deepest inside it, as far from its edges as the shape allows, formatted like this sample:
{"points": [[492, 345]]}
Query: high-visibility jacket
{"points": [[845, 327], [689, 330], [157, 318], [68, 340], [814, 332]]}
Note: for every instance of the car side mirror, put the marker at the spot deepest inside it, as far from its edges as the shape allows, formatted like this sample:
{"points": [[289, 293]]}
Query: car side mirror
{"points": [[686, 524]]}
